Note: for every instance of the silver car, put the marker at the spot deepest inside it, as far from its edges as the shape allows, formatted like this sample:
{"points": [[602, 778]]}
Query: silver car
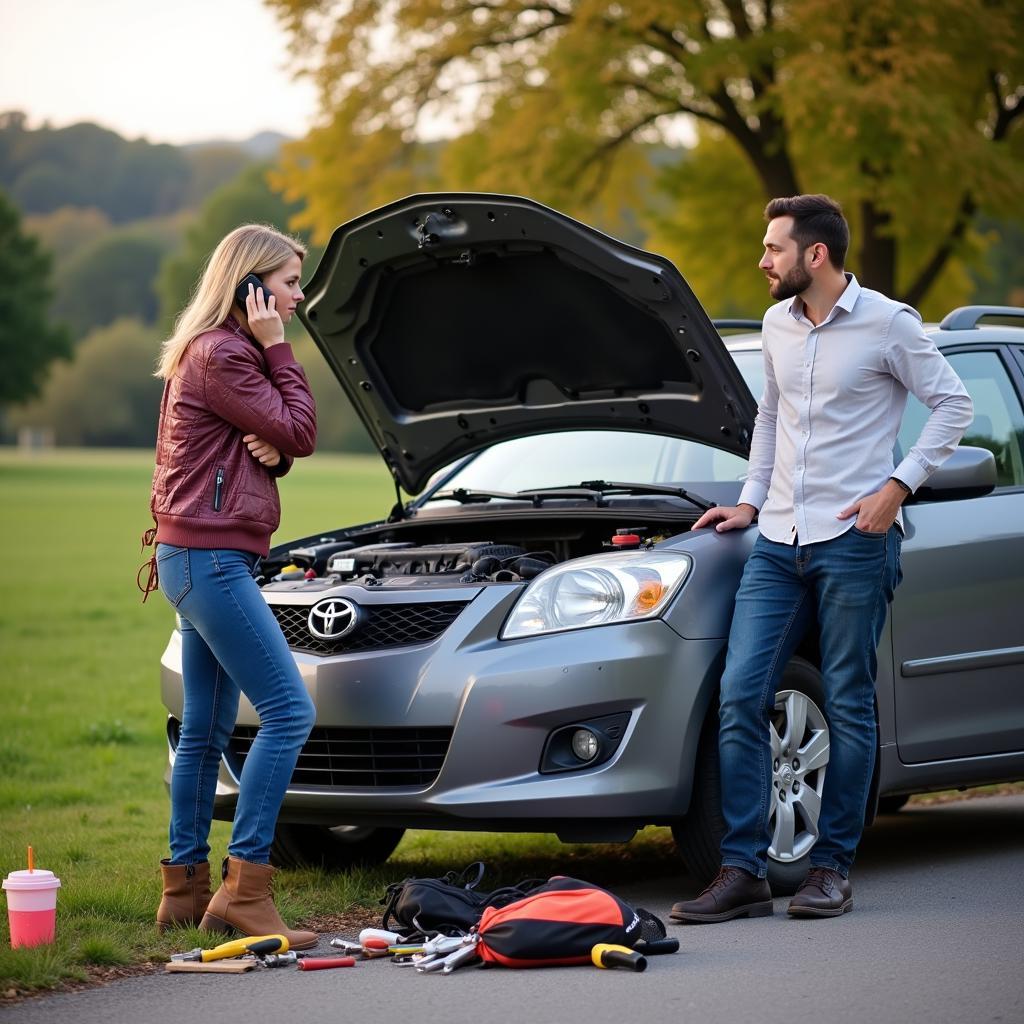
{"points": [[534, 643]]}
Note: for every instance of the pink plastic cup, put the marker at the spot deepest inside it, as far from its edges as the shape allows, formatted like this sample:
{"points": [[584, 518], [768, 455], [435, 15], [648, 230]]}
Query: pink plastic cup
{"points": [[32, 906]]}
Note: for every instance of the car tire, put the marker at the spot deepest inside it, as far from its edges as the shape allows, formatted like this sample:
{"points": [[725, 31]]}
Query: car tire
{"points": [[698, 836], [336, 849], [892, 804]]}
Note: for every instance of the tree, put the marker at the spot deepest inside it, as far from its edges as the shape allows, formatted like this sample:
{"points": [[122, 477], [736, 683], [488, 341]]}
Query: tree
{"points": [[28, 341], [907, 110], [112, 278], [67, 229], [107, 396]]}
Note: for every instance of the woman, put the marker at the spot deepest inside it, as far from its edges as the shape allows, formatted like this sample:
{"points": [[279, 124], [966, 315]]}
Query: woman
{"points": [[236, 410]]}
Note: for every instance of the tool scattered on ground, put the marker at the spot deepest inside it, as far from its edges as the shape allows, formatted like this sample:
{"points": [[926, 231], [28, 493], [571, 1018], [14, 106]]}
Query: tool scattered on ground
{"points": [[657, 947], [325, 963], [214, 967], [279, 959], [606, 955], [348, 947], [257, 945]]}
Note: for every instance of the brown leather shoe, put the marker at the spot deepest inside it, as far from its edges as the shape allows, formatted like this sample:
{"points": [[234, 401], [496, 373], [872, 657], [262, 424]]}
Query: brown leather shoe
{"points": [[186, 894], [733, 893], [823, 893], [245, 903]]}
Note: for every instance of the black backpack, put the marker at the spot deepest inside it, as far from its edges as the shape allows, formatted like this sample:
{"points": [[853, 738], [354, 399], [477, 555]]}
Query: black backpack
{"points": [[452, 904]]}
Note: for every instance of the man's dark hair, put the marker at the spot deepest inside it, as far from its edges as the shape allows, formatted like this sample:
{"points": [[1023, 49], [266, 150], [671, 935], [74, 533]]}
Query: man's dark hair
{"points": [[816, 218]]}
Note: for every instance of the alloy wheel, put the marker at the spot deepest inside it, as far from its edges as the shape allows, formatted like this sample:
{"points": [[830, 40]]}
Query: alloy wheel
{"points": [[800, 753]]}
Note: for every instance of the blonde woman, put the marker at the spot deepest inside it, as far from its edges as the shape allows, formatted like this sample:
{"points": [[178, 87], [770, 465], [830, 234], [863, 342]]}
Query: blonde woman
{"points": [[236, 411]]}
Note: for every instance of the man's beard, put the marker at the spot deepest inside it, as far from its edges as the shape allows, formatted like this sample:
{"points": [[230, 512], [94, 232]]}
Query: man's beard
{"points": [[796, 281]]}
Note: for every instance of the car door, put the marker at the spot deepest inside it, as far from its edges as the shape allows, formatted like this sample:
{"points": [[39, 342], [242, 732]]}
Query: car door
{"points": [[958, 618]]}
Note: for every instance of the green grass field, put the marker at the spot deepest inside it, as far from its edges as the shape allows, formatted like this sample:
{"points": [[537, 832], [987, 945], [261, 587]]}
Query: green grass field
{"points": [[82, 741]]}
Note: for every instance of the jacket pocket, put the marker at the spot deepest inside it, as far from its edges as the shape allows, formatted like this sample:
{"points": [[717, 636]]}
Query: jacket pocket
{"points": [[218, 488]]}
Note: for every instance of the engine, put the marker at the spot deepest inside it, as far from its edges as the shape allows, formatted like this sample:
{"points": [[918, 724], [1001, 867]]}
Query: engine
{"points": [[473, 562]]}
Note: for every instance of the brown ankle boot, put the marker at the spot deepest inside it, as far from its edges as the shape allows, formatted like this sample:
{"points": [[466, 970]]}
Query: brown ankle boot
{"points": [[244, 903], [186, 894]]}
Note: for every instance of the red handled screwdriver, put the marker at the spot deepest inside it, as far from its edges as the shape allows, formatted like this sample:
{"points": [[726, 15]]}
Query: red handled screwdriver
{"points": [[324, 963]]}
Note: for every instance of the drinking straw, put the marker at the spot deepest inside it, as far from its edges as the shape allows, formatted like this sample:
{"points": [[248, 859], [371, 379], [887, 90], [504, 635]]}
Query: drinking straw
{"points": [[31, 865]]}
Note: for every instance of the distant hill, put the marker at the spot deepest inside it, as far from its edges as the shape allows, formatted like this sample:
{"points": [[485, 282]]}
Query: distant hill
{"points": [[262, 146], [86, 166]]}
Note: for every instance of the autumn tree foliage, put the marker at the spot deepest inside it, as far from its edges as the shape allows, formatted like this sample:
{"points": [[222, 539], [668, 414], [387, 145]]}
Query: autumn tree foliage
{"points": [[909, 111]]}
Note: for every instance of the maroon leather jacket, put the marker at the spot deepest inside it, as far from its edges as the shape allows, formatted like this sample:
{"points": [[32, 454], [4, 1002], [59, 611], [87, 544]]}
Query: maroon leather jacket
{"points": [[208, 490]]}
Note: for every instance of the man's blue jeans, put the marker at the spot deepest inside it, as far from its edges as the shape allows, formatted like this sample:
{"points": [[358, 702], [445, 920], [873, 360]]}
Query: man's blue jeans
{"points": [[845, 584], [230, 644]]}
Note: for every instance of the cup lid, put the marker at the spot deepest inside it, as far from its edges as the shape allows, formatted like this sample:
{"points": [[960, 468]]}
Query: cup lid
{"points": [[40, 878]]}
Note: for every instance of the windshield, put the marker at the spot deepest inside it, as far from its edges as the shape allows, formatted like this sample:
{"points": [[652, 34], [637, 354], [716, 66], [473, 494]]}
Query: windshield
{"points": [[572, 456]]}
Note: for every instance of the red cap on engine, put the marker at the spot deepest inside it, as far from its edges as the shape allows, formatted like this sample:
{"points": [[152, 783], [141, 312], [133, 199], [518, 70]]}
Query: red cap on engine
{"points": [[626, 539]]}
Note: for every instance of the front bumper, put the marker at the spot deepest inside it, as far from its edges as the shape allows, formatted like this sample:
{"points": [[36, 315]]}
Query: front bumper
{"points": [[502, 700]]}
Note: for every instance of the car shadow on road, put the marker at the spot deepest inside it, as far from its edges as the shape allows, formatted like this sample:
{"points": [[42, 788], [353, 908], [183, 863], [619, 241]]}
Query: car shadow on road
{"points": [[944, 833]]}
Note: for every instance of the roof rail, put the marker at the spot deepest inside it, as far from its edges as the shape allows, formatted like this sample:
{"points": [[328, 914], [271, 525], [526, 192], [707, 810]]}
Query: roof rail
{"points": [[965, 318], [746, 325]]}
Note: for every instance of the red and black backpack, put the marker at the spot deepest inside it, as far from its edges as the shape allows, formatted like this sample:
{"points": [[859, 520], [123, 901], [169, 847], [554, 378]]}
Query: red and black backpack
{"points": [[559, 923]]}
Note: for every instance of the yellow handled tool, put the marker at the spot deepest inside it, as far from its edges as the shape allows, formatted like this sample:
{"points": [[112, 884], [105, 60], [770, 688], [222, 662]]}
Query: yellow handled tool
{"points": [[258, 945], [606, 955]]}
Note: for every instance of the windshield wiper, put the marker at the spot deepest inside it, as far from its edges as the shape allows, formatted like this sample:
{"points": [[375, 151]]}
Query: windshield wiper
{"points": [[604, 487], [468, 497], [596, 491], [535, 497]]}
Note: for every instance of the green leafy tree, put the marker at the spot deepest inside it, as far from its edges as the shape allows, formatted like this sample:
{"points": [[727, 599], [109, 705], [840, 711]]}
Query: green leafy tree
{"points": [[906, 110], [107, 396], [67, 229], [29, 342], [112, 278]]}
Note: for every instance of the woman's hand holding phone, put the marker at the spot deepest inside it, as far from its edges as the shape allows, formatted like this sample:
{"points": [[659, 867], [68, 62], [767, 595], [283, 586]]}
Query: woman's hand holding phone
{"points": [[264, 320]]}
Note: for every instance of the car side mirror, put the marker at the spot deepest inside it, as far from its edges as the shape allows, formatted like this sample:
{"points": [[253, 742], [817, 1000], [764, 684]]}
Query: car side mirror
{"points": [[968, 473]]}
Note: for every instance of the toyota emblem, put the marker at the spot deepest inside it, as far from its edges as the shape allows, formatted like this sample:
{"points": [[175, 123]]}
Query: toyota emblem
{"points": [[332, 619]]}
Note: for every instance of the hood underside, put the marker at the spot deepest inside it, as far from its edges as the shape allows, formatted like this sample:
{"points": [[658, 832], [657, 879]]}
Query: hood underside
{"points": [[457, 320]]}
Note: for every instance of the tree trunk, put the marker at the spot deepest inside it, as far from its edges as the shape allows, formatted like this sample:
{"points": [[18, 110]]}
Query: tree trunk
{"points": [[877, 250]]}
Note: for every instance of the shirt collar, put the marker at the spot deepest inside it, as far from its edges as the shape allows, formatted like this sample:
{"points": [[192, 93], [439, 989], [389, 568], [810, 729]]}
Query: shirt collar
{"points": [[845, 302]]}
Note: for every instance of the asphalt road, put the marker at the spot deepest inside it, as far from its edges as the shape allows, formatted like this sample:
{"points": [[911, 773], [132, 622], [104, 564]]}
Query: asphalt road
{"points": [[936, 935]]}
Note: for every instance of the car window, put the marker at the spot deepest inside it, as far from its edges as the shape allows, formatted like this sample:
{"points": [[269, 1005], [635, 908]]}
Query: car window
{"points": [[998, 423]]}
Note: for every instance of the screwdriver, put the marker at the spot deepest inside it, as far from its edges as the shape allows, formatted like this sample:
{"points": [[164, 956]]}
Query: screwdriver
{"points": [[323, 963], [258, 945], [606, 955]]}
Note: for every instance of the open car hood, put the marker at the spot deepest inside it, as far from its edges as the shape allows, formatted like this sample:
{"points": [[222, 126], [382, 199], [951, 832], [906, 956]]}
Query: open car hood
{"points": [[457, 320]]}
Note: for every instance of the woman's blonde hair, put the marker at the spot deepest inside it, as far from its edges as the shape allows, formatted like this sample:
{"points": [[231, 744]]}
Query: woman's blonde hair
{"points": [[251, 249]]}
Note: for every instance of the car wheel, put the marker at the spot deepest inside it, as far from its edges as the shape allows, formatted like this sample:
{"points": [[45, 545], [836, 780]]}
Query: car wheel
{"points": [[892, 804], [337, 849], [800, 753]]}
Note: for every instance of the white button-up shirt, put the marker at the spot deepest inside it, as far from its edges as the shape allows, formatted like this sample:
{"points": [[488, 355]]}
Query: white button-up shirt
{"points": [[833, 401]]}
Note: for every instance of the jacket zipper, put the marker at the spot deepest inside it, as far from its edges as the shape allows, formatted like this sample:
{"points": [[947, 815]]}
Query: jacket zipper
{"points": [[218, 490]]}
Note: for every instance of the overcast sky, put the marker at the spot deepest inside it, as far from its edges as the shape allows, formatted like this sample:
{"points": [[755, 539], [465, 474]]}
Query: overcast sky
{"points": [[176, 71]]}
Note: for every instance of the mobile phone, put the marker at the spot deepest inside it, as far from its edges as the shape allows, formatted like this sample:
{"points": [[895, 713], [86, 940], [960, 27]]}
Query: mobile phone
{"points": [[242, 291]]}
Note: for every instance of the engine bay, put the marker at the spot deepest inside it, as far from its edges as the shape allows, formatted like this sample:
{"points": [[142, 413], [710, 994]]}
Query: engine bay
{"points": [[459, 552]]}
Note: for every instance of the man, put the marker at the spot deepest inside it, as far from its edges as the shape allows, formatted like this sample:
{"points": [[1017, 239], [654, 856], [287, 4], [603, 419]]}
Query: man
{"points": [[839, 361]]}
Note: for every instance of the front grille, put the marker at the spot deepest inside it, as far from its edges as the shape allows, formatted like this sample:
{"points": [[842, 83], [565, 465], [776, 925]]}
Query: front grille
{"points": [[348, 758], [381, 625]]}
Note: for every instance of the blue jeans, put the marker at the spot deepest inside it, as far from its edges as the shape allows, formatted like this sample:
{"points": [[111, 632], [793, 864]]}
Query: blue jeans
{"points": [[845, 584], [230, 644]]}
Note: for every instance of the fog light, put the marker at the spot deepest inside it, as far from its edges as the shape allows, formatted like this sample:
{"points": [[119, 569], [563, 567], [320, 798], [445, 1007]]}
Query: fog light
{"points": [[584, 744]]}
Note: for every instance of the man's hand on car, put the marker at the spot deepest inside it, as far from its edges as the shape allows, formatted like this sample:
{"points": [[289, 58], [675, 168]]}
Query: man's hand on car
{"points": [[728, 517], [877, 512]]}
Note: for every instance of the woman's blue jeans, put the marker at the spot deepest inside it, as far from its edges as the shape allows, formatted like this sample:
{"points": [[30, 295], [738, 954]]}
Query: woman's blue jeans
{"points": [[230, 644], [846, 585]]}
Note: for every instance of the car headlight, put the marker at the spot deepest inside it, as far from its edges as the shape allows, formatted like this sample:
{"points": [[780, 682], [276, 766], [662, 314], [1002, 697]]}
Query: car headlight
{"points": [[620, 586]]}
